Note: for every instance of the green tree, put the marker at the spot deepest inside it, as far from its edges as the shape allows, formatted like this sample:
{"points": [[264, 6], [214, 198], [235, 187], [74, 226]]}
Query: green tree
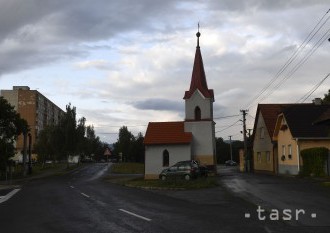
{"points": [[137, 149], [45, 144], [68, 125], [223, 150], [80, 137], [131, 148], [123, 144], [69, 137], [326, 98], [93, 145], [11, 125]]}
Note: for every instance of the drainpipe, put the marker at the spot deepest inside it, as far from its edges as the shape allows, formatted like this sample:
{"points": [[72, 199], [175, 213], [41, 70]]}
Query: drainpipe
{"points": [[298, 155]]}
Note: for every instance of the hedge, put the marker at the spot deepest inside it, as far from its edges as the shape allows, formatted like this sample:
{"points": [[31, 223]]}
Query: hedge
{"points": [[314, 160]]}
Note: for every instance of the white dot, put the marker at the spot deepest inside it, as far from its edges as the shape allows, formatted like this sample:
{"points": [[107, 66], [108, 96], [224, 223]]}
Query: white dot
{"points": [[313, 215], [247, 215]]}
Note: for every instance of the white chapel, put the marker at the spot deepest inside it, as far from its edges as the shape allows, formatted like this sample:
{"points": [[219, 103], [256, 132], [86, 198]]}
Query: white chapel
{"points": [[192, 139]]}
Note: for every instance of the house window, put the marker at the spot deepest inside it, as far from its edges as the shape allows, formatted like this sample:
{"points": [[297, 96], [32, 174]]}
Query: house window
{"points": [[268, 156], [290, 151], [198, 114], [262, 132], [166, 158], [259, 157], [283, 153]]}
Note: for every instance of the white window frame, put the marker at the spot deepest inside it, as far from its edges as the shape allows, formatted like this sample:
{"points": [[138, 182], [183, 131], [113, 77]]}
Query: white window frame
{"points": [[259, 157], [262, 132], [290, 151]]}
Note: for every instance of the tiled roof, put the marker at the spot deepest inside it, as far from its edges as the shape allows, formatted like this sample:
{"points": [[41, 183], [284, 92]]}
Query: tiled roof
{"points": [[301, 120], [324, 118], [269, 113], [166, 133], [198, 78]]}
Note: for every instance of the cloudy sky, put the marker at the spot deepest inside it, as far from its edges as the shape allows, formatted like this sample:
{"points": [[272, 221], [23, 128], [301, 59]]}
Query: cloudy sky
{"points": [[128, 62]]}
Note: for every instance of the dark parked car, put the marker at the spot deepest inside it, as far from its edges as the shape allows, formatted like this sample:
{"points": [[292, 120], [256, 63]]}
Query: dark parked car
{"points": [[202, 170], [230, 163], [184, 169]]}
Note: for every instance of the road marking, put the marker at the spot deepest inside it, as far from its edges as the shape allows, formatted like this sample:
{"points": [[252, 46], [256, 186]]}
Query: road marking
{"points": [[135, 215], [9, 195], [72, 187], [84, 195]]}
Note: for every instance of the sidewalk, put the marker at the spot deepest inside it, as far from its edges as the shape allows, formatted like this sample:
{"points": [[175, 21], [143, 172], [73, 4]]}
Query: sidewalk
{"points": [[17, 183]]}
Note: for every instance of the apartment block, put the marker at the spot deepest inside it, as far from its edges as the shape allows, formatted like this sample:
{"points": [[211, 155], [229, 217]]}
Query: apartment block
{"points": [[35, 108]]}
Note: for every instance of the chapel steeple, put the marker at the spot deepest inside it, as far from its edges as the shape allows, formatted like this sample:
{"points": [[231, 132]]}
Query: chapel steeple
{"points": [[198, 78]]}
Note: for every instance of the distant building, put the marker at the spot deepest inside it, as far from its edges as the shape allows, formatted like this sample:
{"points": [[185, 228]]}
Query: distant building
{"points": [[192, 139], [35, 108]]}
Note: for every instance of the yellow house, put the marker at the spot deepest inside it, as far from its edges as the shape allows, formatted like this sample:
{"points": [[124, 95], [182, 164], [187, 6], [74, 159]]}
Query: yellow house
{"points": [[299, 127], [264, 148]]}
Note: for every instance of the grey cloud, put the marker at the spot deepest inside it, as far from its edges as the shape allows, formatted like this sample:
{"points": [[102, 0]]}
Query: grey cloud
{"points": [[37, 28], [159, 105], [252, 5]]}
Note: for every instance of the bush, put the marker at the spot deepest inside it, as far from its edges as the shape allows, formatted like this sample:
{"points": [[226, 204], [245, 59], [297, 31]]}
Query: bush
{"points": [[314, 160]]}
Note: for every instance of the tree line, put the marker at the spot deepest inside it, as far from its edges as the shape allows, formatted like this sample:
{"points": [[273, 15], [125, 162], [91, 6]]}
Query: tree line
{"points": [[11, 125], [70, 137]]}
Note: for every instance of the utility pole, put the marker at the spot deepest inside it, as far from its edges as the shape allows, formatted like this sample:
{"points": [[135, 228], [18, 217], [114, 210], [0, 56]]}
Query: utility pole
{"points": [[249, 132], [247, 162], [231, 151]]}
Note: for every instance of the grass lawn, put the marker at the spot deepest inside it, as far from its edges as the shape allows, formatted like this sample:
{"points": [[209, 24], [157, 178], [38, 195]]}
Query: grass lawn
{"points": [[178, 183], [124, 174], [128, 168], [40, 169], [326, 183]]}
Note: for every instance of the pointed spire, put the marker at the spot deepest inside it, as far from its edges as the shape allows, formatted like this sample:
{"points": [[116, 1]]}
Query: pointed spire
{"points": [[198, 78]]}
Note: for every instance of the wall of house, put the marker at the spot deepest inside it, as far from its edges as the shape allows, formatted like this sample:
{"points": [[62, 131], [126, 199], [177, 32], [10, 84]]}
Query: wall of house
{"points": [[288, 159], [293, 165], [203, 146], [205, 105], [154, 158], [263, 154], [306, 144], [11, 96]]}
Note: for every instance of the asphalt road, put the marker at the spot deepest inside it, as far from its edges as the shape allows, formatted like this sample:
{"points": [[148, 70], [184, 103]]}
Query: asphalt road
{"points": [[305, 199], [82, 202]]}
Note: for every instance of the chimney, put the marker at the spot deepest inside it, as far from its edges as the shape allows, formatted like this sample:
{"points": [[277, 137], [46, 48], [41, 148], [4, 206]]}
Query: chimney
{"points": [[317, 101]]}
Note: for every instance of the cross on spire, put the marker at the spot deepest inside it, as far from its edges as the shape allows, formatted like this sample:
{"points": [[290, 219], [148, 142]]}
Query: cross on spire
{"points": [[198, 34]]}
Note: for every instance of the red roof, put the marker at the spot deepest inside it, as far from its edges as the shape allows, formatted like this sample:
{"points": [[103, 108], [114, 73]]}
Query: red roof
{"points": [[167, 133], [269, 113], [198, 78]]}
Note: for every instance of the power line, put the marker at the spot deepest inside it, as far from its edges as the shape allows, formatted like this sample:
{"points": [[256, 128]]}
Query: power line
{"points": [[223, 117], [291, 59], [297, 66], [310, 92], [228, 127]]}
